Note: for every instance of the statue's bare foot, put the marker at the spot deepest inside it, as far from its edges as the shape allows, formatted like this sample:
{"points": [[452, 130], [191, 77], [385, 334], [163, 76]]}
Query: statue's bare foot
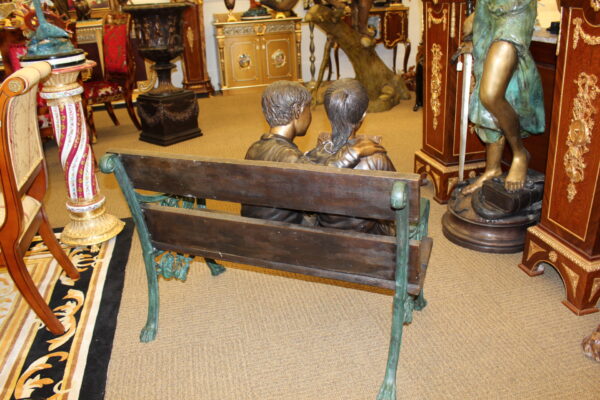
{"points": [[517, 174], [486, 175]]}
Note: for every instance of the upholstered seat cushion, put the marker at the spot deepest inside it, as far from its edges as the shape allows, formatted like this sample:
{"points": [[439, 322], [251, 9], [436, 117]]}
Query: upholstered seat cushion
{"points": [[102, 91], [30, 209]]}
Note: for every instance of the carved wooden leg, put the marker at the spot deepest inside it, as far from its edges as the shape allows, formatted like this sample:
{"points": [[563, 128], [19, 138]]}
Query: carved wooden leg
{"points": [[111, 112], [18, 271], [580, 276], [131, 111], [88, 112], [394, 54], [49, 238]]}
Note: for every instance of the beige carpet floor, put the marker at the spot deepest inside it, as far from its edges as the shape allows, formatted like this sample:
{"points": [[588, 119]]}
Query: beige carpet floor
{"points": [[489, 331]]}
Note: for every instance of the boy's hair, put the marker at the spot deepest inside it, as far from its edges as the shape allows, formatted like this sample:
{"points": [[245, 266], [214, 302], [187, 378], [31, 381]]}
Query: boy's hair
{"points": [[346, 101], [282, 101]]}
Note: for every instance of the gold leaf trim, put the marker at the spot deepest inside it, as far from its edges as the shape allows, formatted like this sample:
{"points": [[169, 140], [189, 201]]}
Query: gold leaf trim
{"points": [[573, 277], [595, 287], [436, 82], [435, 20], [579, 136], [451, 183], [534, 248], [564, 250], [579, 33]]}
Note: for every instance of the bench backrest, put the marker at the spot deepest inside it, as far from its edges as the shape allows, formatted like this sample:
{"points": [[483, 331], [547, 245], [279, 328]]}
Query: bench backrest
{"points": [[330, 253], [303, 187]]}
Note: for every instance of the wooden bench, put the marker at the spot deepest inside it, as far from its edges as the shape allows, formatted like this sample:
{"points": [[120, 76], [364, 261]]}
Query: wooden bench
{"points": [[397, 263]]}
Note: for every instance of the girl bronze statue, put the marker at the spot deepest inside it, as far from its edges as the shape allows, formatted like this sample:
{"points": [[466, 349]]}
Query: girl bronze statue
{"points": [[507, 102]]}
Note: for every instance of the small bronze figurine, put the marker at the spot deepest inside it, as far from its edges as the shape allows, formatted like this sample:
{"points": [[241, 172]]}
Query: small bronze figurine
{"points": [[286, 107], [346, 103]]}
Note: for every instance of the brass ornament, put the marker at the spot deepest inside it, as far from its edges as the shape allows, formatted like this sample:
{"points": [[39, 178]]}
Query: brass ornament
{"points": [[579, 33], [436, 82], [595, 4], [279, 58], [534, 248], [573, 277], [244, 61], [579, 136], [437, 20], [553, 256], [189, 34], [16, 85], [595, 287], [451, 183]]}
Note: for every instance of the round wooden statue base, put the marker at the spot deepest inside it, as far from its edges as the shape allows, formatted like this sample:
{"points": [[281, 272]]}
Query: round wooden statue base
{"points": [[464, 227]]}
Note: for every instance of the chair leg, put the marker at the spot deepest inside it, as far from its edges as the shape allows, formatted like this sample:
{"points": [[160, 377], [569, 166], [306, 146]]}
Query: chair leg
{"points": [[131, 111], [18, 271], [89, 119], [50, 240], [111, 112]]}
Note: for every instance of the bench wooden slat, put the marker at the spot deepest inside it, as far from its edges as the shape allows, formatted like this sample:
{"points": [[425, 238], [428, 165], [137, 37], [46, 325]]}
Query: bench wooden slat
{"points": [[332, 190], [277, 245]]}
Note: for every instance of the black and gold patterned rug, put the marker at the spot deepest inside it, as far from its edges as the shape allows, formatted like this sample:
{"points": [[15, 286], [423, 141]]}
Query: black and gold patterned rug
{"points": [[34, 364]]}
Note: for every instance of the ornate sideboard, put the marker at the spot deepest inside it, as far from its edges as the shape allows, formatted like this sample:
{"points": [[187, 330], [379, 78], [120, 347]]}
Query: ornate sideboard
{"points": [[438, 157], [257, 52], [568, 235]]}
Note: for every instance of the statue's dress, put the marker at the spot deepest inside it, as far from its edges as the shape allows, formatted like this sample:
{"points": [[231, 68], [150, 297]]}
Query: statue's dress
{"points": [[511, 21]]}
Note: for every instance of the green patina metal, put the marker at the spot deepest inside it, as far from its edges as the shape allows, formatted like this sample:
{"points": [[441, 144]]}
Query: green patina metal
{"points": [[404, 304], [48, 39], [169, 265]]}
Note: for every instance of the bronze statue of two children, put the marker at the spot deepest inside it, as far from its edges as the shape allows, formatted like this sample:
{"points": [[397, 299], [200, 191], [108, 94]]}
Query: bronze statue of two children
{"points": [[286, 107]]}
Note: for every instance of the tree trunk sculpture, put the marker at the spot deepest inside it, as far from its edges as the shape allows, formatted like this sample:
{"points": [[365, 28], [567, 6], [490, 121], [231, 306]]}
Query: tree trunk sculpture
{"points": [[385, 88]]}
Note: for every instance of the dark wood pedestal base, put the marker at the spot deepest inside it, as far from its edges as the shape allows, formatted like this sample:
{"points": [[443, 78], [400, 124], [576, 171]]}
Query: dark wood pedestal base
{"points": [[580, 274], [170, 118], [445, 177], [464, 227]]}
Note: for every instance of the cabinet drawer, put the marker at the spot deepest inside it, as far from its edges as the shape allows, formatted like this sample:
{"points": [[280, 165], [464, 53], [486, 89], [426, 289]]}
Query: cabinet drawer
{"points": [[280, 59], [243, 61]]}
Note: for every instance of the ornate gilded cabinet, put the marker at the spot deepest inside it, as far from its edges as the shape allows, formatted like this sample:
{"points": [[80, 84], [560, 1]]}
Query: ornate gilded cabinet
{"points": [[568, 235], [438, 157], [259, 52]]}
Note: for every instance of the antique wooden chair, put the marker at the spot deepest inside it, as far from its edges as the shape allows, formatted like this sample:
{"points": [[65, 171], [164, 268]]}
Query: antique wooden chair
{"points": [[23, 184], [119, 70]]}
